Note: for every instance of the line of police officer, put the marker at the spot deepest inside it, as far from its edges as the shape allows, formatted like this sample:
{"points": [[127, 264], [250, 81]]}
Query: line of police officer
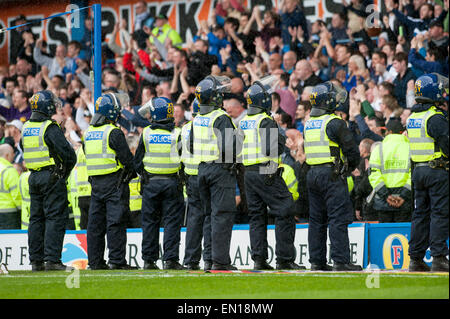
{"points": [[209, 148]]}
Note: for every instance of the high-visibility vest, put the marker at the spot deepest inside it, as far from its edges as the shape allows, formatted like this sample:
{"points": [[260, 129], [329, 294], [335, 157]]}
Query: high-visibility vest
{"points": [[389, 163], [252, 148], [135, 196], [100, 158], [161, 151], [81, 175], [316, 141], [422, 145], [291, 180], [350, 184], [35, 150], [10, 201], [166, 31], [189, 160], [205, 139], [24, 189], [72, 196]]}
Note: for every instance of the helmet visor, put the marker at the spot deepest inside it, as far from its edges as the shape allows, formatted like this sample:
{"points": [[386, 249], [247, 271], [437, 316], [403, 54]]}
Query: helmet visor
{"points": [[121, 100], [144, 110], [341, 94], [442, 82], [223, 83], [57, 102], [269, 83]]}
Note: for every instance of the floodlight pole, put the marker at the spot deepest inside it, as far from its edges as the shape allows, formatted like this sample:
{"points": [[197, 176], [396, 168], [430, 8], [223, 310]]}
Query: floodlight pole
{"points": [[97, 51]]}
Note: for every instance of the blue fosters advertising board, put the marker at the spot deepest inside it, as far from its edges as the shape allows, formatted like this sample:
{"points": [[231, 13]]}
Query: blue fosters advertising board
{"points": [[388, 246]]}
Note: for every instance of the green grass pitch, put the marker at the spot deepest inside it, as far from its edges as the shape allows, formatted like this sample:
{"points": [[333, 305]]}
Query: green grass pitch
{"points": [[143, 284]]}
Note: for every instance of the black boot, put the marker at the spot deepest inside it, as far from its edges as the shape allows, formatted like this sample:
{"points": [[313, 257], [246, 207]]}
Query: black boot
{"points": [[49, 265], [37, 266], [222, 267], [289, 266], [173, 265], [417, 264], [207, 266], [262, 265], [439, 264], [101, 266], [150, 265], [346, 267], [121, 267], [193, 266], [324, 267]]}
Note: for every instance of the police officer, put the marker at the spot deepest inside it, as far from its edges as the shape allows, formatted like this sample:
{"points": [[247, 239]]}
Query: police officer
{"points": [[428, 134], [328, 146], [390, 176], [50, 158], [214, 144], [109, 165], [80, 190], [264, 185], [10, 201], [157, 161], [198, 225]]}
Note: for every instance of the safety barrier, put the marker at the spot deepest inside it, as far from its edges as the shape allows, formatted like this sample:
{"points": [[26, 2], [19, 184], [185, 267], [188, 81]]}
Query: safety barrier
{"points": [[379, 245]]}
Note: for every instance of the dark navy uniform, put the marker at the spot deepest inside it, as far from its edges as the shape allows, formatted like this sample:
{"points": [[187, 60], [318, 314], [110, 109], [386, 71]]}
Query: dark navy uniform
{"points": [[48, 189], [327, 138]]}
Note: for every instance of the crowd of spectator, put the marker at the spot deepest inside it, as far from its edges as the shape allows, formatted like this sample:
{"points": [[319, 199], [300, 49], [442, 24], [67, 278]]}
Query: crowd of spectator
{"points": [[375, 60]]}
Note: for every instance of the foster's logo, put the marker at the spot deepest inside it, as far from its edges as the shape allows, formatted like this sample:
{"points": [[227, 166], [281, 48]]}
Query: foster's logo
{"points": [[395, 252]]}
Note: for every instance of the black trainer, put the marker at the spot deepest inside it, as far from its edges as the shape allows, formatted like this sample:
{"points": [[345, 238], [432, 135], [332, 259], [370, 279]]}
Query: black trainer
{"points": [[222, 267], [37, 266], [439, 264], [150, 265], [290, 266], [173, 265], [121, 267], [193, 266], [262, 265], [49, 266], [346, 267], [417, 264], [324, 267]]}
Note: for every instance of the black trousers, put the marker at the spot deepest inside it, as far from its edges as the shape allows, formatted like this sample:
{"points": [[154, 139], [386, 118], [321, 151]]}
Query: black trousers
{"points": [[278, 198], [217, 188], [429, 223], [330, 207], [48, 217], [162, 204], [198, 226], [107, 217]]}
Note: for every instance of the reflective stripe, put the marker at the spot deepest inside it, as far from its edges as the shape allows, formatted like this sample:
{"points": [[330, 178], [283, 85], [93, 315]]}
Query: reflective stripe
{"points": [[315, 143], [320, 155], [70, 215], [104, 155], [376, 189], [155, 154], [134, 197], [163, 165], [422, 152], [292, 184], [101, 166], [25, 224], [8, 210]]}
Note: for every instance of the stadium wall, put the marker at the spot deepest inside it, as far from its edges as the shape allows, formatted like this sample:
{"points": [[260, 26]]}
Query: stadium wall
{"points": [[383, 245]]}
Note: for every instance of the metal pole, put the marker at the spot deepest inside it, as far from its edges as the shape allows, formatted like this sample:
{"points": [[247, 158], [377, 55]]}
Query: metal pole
{"points": [[97, 51]]}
